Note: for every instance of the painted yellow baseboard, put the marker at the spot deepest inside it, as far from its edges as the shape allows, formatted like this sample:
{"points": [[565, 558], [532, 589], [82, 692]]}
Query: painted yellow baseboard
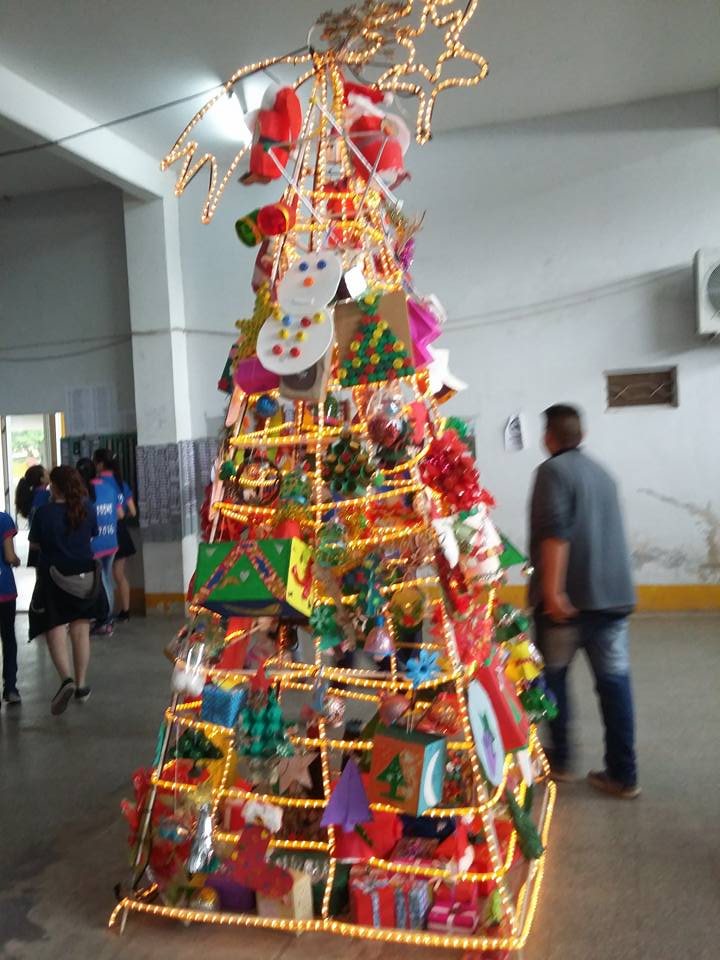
{"points": [[652, 597]]}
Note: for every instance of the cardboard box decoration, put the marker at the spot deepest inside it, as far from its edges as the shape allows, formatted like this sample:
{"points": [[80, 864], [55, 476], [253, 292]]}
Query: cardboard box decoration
{"points": [[255, 577], [407, 769], [295, 905], [393, 310], [511, 717]]}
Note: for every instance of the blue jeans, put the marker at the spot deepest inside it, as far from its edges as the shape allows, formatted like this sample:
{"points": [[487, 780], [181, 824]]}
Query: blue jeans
{"points": [[605, 641], [106, 564]]}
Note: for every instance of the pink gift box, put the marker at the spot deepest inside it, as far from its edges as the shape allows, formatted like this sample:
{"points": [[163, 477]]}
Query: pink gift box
{"points": [[453, 917], [252, 377]]}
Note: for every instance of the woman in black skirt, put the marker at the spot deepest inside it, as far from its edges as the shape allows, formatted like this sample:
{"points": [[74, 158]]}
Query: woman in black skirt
{"points": [[68, 591]]}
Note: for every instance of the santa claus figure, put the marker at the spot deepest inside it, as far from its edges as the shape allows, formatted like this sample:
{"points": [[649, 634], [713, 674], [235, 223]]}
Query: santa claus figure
{"points": [[381, 139], [275, 127]]}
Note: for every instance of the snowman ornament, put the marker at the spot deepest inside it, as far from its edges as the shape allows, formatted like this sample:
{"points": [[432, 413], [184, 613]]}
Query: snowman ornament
{"points": [[302, 333]]}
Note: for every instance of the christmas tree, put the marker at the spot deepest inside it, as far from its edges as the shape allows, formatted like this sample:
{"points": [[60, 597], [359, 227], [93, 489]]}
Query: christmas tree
{"points": [[366, 764]]}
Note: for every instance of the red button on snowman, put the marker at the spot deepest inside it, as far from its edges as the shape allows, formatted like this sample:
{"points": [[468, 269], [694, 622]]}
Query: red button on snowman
{"points": [[303, 331]]}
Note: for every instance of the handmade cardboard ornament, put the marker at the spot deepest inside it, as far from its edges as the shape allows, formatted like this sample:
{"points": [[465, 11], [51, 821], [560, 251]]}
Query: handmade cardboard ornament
{"points": [[275, 127], [486, 733], [248, 864], [392, 308], [302, 333], [296, 904], [407, 769], [255, 577], [310, 384], [512, 719]]}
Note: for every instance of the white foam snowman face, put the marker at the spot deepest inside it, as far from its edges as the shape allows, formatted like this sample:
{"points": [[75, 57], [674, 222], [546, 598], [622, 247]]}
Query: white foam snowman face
{"points": [[303, 332]]}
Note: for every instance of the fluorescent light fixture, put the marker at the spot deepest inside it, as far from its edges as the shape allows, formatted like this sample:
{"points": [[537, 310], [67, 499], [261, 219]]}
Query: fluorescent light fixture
{"points": [[230, 119]]}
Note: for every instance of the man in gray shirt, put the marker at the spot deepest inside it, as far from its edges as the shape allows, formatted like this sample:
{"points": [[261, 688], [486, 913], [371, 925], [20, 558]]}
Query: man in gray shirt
{"points": [[582, 593]]}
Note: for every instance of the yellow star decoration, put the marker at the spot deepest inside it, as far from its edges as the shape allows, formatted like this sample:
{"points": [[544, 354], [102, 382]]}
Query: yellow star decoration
{"points": [[249, 329], [443, 15]]}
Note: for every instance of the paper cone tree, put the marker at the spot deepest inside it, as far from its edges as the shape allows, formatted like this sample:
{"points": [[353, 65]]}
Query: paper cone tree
{"points": [[348, 803]]}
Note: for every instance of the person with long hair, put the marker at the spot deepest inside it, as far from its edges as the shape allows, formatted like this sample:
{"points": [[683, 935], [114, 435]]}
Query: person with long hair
{"points": [[68, 593], [108, 467], [8, 600], [103, 492], [32, 492]]}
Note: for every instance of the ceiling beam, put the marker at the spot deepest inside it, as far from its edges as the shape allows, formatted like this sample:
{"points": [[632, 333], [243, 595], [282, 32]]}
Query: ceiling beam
{"points": [[103, 152]]}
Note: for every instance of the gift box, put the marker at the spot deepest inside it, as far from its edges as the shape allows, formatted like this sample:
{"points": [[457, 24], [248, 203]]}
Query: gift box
{"points": [[297, 904], [258, 577], [436, 827], [372, 897], [447, 917], [378, 838], [407, 769], [233, 896], [412, 902], [415, 849], [221, 705]]}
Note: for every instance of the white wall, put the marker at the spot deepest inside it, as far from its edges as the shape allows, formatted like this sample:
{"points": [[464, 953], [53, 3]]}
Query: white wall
{"points": [[64, 318], [561, 248]]}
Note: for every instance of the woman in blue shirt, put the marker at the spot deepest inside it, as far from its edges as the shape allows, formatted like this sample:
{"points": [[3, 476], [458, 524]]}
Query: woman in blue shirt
{"points": [[8, 597], [68, 592], [104, 493], [108, 468]]}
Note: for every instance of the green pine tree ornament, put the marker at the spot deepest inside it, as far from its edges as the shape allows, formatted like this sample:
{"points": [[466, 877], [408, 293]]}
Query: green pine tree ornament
{"points": [[375, 354], [528, 837], [346, 467], [262, 730], [331, 549], [324, 625], [394, 777]]}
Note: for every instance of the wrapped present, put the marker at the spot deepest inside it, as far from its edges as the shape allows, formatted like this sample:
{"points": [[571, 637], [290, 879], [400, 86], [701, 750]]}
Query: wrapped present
{"points": [[339, 894], [436, 827], [377, 838], [415, 850], [296, 904], [262, 577], [511, 717], [407, 769], [234, 896], [458, 917], [372, 897], [221, 705], [412, 902]]}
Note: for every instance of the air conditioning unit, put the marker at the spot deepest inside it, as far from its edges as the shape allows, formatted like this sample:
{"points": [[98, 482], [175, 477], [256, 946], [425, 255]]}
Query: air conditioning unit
{"points": [[707, 292]]}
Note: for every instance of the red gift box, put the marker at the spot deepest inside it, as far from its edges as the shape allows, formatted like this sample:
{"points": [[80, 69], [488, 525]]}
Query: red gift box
{"points": [[418, 850], [372, 897], [383, 831], [453, 917]]}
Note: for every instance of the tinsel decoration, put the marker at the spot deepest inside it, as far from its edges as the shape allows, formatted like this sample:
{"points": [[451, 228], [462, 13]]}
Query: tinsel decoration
{"points": [[529, 840], [450, 470], [246, 343]]}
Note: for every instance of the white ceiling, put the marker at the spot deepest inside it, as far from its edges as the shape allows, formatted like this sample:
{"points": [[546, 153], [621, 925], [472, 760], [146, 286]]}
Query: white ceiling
{"points": [[546, 56]]}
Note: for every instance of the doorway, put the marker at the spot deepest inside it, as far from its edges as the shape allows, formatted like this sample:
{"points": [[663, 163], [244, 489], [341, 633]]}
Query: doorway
{"points": [[26, 439]]}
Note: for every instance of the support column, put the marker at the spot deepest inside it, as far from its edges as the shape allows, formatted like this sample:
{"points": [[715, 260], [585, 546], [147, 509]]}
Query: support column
{"points": [[162, 400]]}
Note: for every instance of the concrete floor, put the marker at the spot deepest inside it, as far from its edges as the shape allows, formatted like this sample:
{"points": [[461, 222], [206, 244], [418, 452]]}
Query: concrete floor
{"points": [[624, 880]]}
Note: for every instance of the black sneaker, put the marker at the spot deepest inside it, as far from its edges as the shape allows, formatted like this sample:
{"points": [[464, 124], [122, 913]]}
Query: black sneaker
{"points": [[82, 694], [12, 696], [63, 697], [122, 617]]}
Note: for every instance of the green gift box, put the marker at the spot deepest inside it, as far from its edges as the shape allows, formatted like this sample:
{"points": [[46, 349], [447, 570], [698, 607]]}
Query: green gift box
{"points": [[254, 577]]}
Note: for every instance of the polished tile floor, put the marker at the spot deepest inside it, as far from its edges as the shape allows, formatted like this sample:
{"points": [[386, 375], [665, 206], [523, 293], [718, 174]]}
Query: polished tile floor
{"points": [[627, 881]]}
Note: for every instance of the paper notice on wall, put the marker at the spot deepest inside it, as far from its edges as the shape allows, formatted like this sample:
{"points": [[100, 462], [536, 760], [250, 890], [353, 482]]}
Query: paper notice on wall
{"points": [[514, 435], [91, 409]]}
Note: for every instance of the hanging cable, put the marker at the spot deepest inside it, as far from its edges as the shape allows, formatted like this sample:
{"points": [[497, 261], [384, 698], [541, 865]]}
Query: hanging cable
{"points": [[138, 114]]}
